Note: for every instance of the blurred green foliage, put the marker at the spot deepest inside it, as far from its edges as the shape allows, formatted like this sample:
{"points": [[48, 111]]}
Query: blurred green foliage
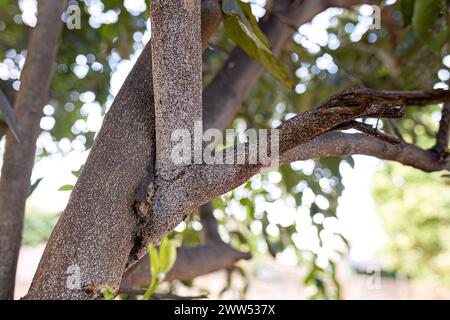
{"points": [[38, 226], [415, 210]]}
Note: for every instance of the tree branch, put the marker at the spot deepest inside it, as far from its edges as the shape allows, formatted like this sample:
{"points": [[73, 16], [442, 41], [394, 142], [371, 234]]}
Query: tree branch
{"points": [[191, 262], [100, 231], [337, 144], [222, 98], [214, 180], [443, 135], [177, 75]]}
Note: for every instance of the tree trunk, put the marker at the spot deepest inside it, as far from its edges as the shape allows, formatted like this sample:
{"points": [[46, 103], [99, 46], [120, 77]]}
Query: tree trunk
{"points": [[100, 233], [19, 157]]}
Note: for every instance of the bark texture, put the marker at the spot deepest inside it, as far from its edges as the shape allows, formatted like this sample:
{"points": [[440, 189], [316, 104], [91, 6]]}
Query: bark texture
{"points": [[177, 76], [117, 195], [18, 159], [109, 195]]}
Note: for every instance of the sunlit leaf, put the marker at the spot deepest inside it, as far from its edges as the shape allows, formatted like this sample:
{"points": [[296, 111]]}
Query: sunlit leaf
{"points": [[66, 187], [241, 27], [167, 255]]}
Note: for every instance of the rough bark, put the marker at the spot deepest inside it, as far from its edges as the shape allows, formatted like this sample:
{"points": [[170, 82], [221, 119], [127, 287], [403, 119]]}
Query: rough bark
{"points": [[177, 76], [109, 194], [200, 183], [119, 170], [19, 157]]}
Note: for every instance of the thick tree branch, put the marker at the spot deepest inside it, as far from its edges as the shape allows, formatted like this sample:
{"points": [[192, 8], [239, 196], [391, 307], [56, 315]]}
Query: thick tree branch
{"points": [[100, 232], [19, 157], [177, 75], [214, 180]]}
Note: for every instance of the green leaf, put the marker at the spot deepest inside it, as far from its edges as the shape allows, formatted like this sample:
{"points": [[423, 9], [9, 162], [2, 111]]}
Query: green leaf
{"points": [[66, 187], [154, 261], [241, 27], [430, 22], [77, 173], [154, 270], [7, 114], [167, 255], [108, 294]]}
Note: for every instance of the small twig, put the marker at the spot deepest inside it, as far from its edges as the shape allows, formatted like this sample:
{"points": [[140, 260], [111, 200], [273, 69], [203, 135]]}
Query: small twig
{"points": [[443, 135], [210, 232], [394, 128], [369, 130]]}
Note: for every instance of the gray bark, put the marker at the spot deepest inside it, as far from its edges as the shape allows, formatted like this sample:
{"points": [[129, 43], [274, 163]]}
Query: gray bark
{"points": [[101, 231], [116, 194]]}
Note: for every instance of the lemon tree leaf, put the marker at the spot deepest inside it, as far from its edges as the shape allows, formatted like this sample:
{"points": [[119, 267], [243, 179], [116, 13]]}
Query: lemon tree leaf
{"points": [[241, 27], [66, 187], [167, 255]]}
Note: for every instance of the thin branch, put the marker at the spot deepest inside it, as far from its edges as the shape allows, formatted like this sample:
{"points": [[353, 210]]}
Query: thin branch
{"points": [[394, 128], [369, 130], [443, 135], [338, 144]]}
